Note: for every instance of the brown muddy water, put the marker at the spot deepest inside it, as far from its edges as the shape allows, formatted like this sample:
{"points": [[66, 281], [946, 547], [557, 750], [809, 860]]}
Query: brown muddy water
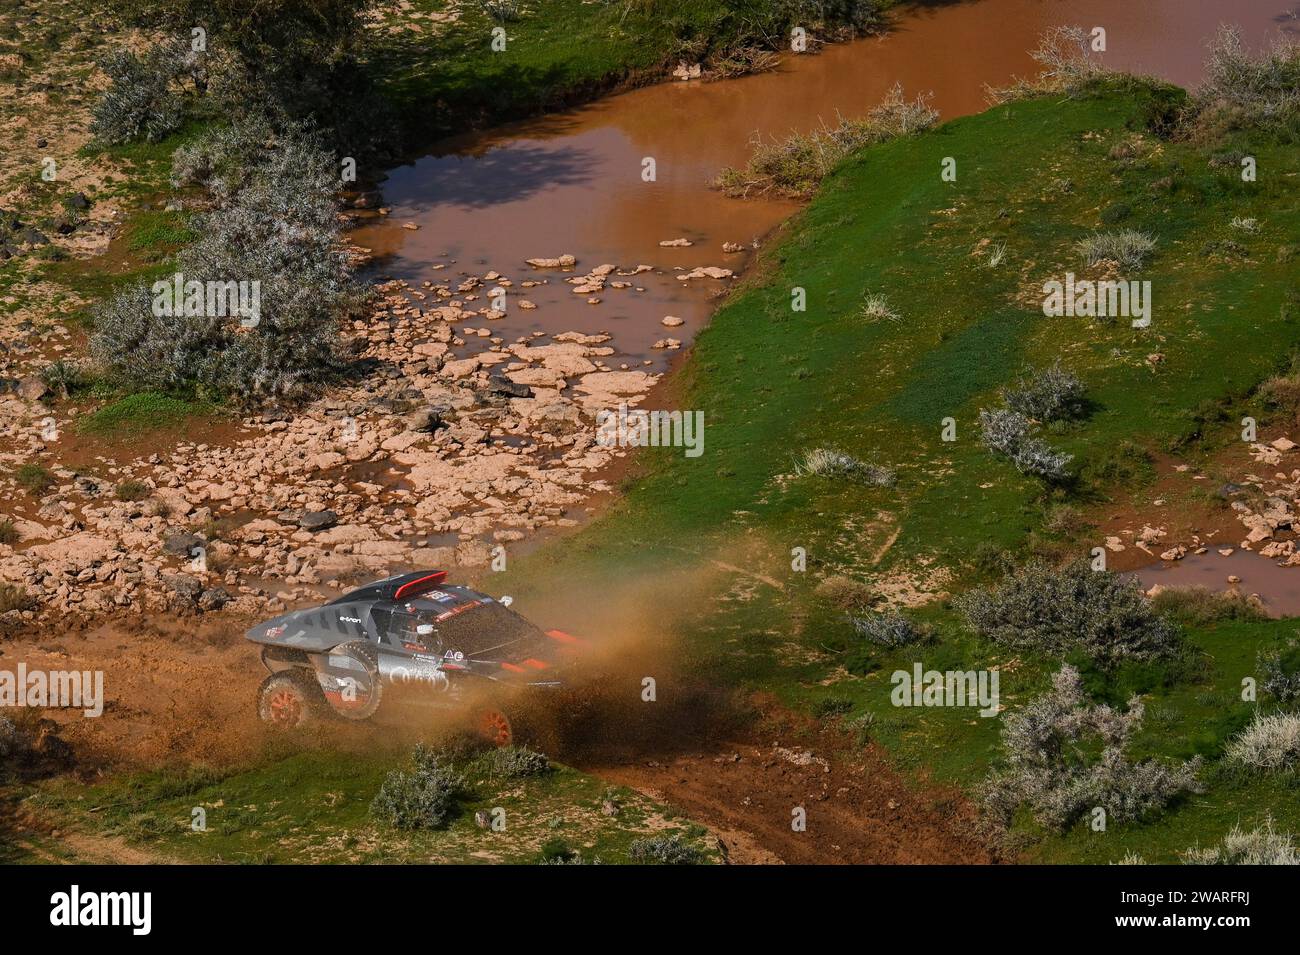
{"points": [[572, 182], [1277, 587]]}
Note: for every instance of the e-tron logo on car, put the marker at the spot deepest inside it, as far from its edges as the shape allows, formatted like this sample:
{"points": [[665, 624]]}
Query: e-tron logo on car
{"points": [[350, 619]]}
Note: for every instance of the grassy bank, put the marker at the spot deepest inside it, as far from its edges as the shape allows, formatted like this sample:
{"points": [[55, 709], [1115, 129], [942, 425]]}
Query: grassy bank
{"points": [[437, 62], [1034, 177], [249, 817]]}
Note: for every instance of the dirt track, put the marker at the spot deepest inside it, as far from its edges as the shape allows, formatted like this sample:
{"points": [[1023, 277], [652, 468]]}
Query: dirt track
{"points": [[187, 698]]}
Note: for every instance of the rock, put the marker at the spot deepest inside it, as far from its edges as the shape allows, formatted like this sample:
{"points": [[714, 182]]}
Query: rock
{"points": [[182, 544], [672, 321], [32, 389], [30, 236], [214, 598], [1284, 444], [676, 243], [732, 247], [430, 419], [565, 261], [482, 819], [318, 520], [705, 272], [504, 386], [78, 201], [684, 71]]}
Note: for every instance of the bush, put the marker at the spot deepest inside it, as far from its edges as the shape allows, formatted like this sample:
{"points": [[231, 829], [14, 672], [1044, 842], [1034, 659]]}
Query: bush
{"points": [[1279, 668], [143, 98], [845, 593], [13, 597], [875, 307], [1241, 92], [8, 532], [273, 223], [1104, 615], [795, 166], [62, 377], [1259, 846], [1049, 394], [828, 462], [1270, 743], [888, 629], [34, 478], [1068, 65], [132, 491], [513, 762], [291, 61], [665, 850], [1064, 757], [425, 798], [1009, 433], [1116, 212], [1128, 247]]}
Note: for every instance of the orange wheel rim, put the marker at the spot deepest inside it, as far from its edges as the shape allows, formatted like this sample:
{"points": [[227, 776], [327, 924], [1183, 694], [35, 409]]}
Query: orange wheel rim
{"points": [[285, 707], [495, 727]]}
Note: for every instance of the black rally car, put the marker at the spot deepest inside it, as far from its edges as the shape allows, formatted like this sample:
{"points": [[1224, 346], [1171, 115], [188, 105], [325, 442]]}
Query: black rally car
{"points": [[410, 638]]}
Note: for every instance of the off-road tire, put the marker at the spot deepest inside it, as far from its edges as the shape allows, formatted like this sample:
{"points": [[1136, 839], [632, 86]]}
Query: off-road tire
{"points": [[368, 655], [492, 725], [289, 699]]}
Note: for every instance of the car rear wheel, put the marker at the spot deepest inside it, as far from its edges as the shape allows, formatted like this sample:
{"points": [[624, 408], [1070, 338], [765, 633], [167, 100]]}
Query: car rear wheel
{"points": [[288, 699], [494, 726]]}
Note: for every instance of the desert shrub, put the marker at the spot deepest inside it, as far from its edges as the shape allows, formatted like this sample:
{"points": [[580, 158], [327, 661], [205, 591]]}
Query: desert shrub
{"points": [[669, 849], [829, 707], [1067, 65], [291, 61], [34, 478], [1241, 92], [875, 308], [1198, 606], [1270, 743], [888, 629], [1063, 756], [276, 227], [845, 593], [132, 491], [1259, 846], [1009, 433], [830, 463], [8, 532], [143, 100], [14, 597], [62, 377], [1279, 669], [502, 10], [513, 762], [1128, 247], [1048, 394], [794, 166], [1116, 212], [1104, 615], [424, 798]]}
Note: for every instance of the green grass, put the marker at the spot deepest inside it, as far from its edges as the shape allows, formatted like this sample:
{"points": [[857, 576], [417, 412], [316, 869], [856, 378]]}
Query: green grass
{"points": [[142, 412], [559, 52], [878, 391], [313, 807]]}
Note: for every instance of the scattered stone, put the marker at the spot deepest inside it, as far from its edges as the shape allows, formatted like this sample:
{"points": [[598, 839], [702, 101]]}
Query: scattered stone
{"points": [[318, 520]]}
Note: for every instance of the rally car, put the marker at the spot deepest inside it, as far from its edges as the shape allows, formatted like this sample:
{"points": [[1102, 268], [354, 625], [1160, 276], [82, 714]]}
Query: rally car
{"points": [[410, 638]]}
